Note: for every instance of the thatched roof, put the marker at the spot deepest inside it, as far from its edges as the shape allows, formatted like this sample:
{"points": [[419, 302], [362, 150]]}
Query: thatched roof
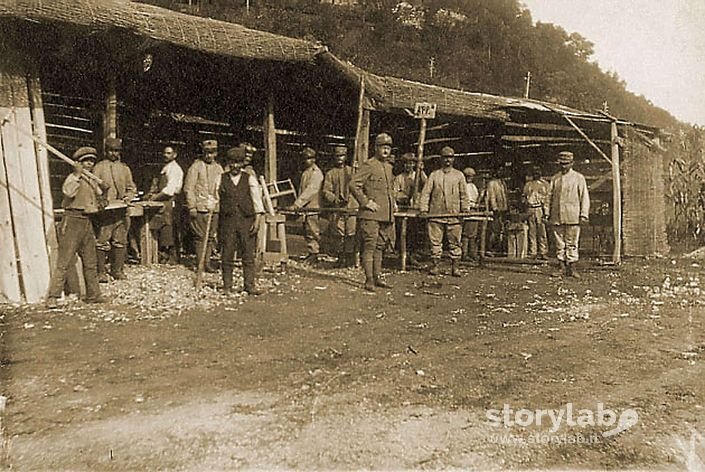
{"points": [[193, 32]]}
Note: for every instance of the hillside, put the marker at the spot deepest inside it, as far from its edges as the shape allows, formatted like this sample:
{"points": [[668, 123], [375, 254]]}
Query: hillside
{"points": [[479, 45]]}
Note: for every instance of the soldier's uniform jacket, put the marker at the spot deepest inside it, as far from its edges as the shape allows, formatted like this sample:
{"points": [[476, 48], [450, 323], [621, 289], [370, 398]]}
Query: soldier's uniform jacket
{"points": [[310, 188], [445, 192], [374, 181], [119, 178], [569, 199], [336, 187], [202, 182], [536, 194]]}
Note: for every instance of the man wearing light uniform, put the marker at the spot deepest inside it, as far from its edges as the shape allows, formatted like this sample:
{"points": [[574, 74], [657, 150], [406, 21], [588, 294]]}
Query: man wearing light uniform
{"points": [[470, 228], [336, 193], [310, 197]]}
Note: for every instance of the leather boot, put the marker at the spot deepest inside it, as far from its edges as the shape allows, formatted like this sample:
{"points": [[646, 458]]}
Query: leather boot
{"points": [[473, 251], [464, 247], [101, 261], [227, 278], [368, 266], [562, 268], [173, 256], [454, 268], [570, 271], [433, 269], [119, 262], [248, 276], [377, 271]]}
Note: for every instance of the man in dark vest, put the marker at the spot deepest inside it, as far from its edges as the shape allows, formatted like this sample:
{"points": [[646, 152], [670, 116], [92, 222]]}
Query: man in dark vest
{"points": [[241, 211]]}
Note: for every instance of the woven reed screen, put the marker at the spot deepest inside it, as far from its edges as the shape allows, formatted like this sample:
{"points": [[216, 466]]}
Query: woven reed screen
{"points": [[643, 193]]}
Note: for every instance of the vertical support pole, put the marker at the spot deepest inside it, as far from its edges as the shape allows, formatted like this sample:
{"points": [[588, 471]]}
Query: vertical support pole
{"points": [[616, 197], [110, 114], [402, 243], [419, 161], [362, 130], [270, 143]]}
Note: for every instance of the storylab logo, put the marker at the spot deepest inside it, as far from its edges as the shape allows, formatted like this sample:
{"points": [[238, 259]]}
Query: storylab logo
{"points": [[567, 416]]}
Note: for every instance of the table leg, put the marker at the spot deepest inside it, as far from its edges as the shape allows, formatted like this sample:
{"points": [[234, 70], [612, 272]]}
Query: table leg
{"points": [[402, 243], [483, 242]]}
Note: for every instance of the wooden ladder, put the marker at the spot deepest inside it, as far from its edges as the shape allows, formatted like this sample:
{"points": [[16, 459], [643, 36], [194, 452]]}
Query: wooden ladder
{"points": [[273, 225]]}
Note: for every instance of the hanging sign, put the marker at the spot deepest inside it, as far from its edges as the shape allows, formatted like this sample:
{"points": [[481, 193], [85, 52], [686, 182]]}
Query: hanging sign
{"points": [[425, 110]]}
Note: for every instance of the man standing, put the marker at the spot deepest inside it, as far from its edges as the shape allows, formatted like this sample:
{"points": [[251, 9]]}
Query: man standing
{"points": [[470, 227], [77, 235], [496, 202], [569, 207], [168, 185], [241, 212], [310, 197], [114, 224], [404, 182], [536, 196], [372, 186], [201, 188], [445, 192], [336, 192]]}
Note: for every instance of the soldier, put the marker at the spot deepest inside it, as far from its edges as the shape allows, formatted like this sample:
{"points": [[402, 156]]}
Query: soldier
{"points": [[80, 202], [336, 192], [201, 188], [496, 201], [445, 192], [536, 197], [310, 197], [249, 156], [168, 185], [404, 182], [114, 224], [569, 207], [241, 212], [470, 227], [372, 186]]}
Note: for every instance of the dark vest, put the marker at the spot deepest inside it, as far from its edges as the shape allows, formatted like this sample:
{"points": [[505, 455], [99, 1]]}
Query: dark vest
{"points": [[236, 199]]}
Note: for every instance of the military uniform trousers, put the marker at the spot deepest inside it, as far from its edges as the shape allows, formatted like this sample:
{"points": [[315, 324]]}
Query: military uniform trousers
{"points": [[198, 225], [113, 226], [538, 243], [312, 234], [76, 237], [452, 231], [567, 238]]}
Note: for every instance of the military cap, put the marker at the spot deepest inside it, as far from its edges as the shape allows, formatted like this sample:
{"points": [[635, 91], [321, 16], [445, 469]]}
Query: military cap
{"points": [[308, 153], [236, 154], [340, 150], [565, 157], [383, 139], [408, 157], [447, 151], [469, 171], [249, 148], [84, 153], [209, 144], [114, 144]]}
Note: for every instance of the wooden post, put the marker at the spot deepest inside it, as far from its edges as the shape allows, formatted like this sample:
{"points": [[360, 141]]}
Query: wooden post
{"points": [[362, 130], [616, 196], [42, 155], [270, 143], [110, 114], [402, 243], [419, 161]]}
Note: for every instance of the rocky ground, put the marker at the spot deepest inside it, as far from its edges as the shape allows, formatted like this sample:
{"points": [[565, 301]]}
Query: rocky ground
{"points": [[318, 374]]}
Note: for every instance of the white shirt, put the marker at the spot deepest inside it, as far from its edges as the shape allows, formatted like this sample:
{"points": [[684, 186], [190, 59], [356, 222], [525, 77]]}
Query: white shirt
{"points": [[473, 194], [255, 190], [174, 178]]}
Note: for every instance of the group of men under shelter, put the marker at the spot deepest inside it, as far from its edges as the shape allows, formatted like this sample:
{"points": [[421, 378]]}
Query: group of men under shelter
{"points": [[225, 206]]}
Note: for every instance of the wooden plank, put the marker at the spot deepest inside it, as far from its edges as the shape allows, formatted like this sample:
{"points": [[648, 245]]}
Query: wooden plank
{"points": [[419, 160], [616, 197], [39, 129], [9, 278], [110, 115], [270, 142], [25, 197]]}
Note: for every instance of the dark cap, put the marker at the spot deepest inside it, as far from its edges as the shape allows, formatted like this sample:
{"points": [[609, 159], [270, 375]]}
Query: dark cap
{"points": [[84, 153], [114, 144], [308, 153], [408, 157], [447, 151], [210, 145], [236, 154]]}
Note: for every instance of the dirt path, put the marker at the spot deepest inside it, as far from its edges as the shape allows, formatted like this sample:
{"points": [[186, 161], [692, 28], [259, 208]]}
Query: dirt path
{"points": [[320, 375]]}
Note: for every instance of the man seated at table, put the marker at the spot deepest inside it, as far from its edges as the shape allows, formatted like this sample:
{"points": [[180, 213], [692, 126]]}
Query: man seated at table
{"points": [[444, 193]]}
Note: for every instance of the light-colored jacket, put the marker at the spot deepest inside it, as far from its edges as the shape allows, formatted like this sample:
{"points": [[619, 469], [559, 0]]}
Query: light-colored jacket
{"points": [[310, 188], [202, 182], [119, 179], [535, 194], [569, 199], [445, 192]]}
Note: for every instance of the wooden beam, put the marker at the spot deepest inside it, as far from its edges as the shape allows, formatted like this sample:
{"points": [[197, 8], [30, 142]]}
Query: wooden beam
{"points": [[110, 117], [9, 277], [585, 136], [616, 196], [362, 129], [39, 130], [270, 142], [419, 160], [514, 138]]}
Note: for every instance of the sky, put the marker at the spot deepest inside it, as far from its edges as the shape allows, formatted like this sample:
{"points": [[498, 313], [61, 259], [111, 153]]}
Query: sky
{"points": [[656, 46]]}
